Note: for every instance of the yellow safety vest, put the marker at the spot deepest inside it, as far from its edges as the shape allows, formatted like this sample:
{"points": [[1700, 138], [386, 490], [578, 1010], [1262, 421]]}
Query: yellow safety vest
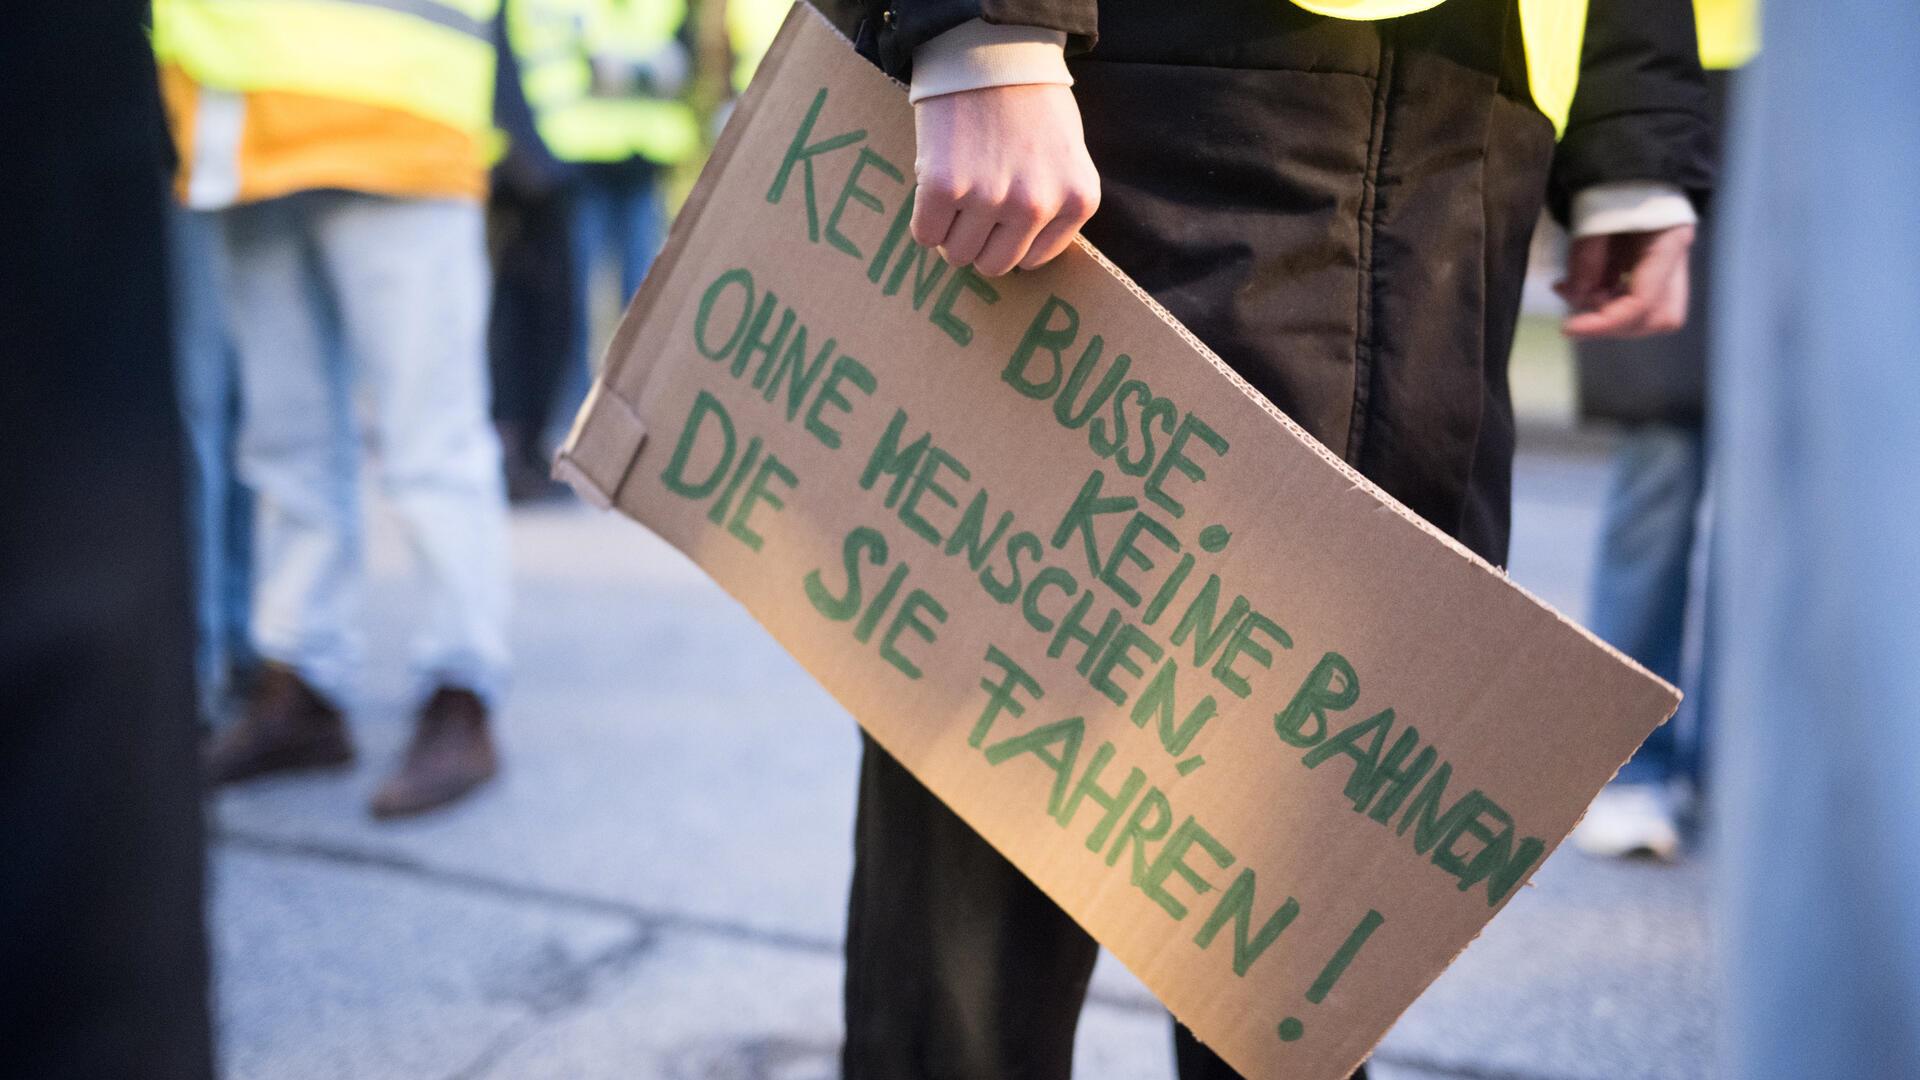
{"points": [[1553, 31], [431, 58], [554, 42], [1729, 32], [751, 28]]}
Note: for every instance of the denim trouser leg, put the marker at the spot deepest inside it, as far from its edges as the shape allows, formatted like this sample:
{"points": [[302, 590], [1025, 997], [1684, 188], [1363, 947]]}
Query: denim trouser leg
{"points": [[297, 446], [207, 382], [1641, 581], [339, 291], [641, 221], [610, 220], [592, 229]]}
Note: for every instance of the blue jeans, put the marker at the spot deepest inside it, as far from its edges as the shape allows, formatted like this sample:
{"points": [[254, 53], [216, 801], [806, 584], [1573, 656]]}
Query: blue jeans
{"points": [[1643, 580], [208, 382], [339, 299], [622, 219]]}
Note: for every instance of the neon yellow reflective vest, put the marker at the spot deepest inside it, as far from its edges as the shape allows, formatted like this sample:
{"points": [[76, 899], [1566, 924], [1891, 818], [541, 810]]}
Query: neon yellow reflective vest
{"points": [[555, 41], [751, 27], [1729, 32], [1554, 29], [431, 58]]}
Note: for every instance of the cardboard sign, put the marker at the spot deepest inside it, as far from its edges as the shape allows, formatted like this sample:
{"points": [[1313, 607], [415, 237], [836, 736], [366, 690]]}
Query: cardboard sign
{"points": [[1278, 744]]}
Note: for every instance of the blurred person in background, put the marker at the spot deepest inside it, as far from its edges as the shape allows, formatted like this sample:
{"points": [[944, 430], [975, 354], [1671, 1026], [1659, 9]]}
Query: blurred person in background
{"points": [[221, 506], [604, 79], [751, 26], [347, 188], [103, 952], [1816, 605], [530, 207], [1647, 590]]}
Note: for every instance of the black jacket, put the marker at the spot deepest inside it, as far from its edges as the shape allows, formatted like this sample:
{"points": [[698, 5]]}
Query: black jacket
{"points": [[1640, 112]]}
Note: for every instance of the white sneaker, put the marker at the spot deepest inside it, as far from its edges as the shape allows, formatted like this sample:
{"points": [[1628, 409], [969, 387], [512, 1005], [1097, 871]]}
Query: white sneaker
{"points": [[1629, 819]]}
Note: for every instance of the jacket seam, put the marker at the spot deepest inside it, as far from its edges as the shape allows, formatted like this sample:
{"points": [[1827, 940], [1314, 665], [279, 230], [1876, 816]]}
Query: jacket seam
{"points": [[1363, 344]]}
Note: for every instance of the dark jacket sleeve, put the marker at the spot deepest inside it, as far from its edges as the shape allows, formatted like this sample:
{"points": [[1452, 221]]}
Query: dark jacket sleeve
{"points": [[900, 26], [528, 167], [1640, 112]]}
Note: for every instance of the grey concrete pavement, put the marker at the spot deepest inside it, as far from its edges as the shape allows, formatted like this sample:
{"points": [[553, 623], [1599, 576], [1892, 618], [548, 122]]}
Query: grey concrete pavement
{"points": [[654, 889]]}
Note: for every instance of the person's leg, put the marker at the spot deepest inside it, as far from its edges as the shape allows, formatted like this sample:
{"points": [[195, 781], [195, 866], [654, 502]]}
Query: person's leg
{"points": [[296, 452], [958, 967], [297, 446], [204, 380], [643, 216], [236, 590], [593, 223], [411, 277], [1640, 604], [1238, 240], [1640, 583], [530, 336]]}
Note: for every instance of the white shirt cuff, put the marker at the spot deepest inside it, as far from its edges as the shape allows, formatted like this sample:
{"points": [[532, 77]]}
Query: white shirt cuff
{"points": [[1630, 206], [978, 54]]}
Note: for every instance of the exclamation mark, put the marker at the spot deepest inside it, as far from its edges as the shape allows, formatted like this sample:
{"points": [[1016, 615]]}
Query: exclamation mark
{"points": [[1291, 1028]]}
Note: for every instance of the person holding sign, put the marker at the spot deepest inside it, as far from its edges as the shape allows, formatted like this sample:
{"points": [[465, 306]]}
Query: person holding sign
{"points": [[1335, 195]]}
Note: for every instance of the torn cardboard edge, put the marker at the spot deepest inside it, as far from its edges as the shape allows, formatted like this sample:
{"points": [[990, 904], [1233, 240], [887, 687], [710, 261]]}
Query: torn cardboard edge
{"points": [[617, 450], [604, 494]]}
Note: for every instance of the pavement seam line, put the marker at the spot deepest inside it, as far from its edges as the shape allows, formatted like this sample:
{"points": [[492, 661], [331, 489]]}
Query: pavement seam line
{"points": [[650, 922]]}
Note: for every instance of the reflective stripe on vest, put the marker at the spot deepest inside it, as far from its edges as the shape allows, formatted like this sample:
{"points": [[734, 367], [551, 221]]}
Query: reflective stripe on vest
{"points": [[431, 58], [751, 28], [553, 40], [1552, 30]]}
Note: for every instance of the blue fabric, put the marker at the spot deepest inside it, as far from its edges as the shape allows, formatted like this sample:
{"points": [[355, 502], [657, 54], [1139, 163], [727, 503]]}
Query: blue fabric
{"points": [[1817, 445], [221, 514], [617, 216], [1643, 577]]}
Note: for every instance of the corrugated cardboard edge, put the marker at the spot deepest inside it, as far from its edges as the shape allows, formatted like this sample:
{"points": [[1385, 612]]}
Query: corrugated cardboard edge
{"points": [[724, 149], [1353, 475], [596, 457], [1362, 483], [596, 465]]}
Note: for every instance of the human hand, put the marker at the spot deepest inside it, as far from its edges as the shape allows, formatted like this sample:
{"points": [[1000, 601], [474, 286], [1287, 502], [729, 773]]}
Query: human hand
{"points": [[1004, 176], [1627, 285]]}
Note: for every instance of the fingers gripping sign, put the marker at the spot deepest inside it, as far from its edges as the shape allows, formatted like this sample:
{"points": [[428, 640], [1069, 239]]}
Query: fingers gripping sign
{"points": [[1627, 285], [1004, 176]]}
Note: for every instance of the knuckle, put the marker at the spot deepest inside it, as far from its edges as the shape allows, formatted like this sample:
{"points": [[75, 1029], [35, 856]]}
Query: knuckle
{"points": [[940, 188], [976, 198], [1034, 203]]}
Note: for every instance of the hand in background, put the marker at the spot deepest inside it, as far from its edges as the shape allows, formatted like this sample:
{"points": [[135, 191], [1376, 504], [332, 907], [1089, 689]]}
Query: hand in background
{"points": [[1627, 285], [1004, 176]]}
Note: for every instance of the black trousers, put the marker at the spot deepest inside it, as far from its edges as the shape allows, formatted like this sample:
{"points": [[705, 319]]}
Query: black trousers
{"points": [[103, 965], [1341, 210], [530, 328]]}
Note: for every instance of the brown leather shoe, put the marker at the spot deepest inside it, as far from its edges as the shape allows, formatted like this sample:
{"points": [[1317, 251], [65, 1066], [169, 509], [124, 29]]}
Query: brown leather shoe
{"points": [[286, 726], [451, 754]]}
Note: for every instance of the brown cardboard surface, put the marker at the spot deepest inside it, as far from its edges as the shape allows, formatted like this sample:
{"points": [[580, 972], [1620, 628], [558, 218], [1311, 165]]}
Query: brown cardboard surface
{"points": [[1278, 744]]}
